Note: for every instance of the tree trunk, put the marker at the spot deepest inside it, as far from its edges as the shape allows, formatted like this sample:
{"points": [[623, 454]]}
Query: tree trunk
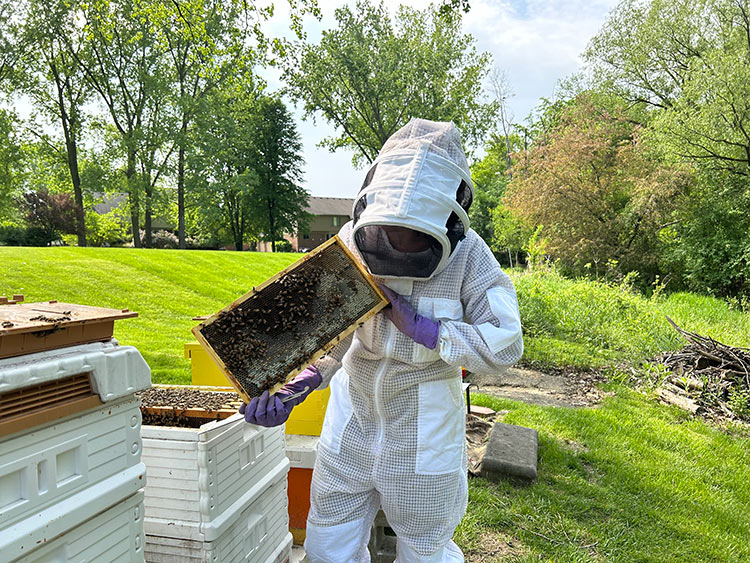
{"points": [[147, 222], [181, 185], [75, 178], [271, 227], [134, 204], [71, 150]]}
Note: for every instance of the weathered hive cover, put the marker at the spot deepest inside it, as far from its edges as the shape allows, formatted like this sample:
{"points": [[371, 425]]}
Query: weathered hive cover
{"points": [[270, 334]]}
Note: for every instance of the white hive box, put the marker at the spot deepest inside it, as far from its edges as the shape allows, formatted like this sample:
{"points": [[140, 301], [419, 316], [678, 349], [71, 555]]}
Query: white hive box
{"points": [[255, 530], [301, 450], [57, 475], [216, 493], [112, 536]]}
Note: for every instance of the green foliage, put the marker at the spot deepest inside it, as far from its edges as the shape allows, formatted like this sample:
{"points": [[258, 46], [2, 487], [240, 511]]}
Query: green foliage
{"points": [[690, 63], [490, 177], [600, 190], [11, 164], [222, 175], [279, 200], [107, 229], [371, 74], [283, 246], [709, 247]]}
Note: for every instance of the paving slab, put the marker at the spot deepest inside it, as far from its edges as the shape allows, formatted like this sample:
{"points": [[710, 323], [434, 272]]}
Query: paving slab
{"points": [[511, 452]]}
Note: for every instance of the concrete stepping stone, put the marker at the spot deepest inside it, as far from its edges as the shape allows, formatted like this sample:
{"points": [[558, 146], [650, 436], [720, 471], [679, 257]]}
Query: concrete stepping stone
{"points": [[511, 452]]}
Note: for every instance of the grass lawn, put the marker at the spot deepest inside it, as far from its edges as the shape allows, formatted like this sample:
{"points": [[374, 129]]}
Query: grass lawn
{"points": [[629, 480], [166, 287]]}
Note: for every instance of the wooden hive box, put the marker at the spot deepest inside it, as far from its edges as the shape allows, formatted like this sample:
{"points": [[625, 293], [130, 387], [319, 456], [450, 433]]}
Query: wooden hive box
{"points": [[267, 336]]}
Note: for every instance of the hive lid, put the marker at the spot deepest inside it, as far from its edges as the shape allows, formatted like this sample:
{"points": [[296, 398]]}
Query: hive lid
{"points": [[267, 336], [51, 315]]}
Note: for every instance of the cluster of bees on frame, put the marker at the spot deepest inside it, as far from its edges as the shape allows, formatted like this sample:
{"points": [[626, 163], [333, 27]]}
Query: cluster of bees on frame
{"points": [[240, 336]]}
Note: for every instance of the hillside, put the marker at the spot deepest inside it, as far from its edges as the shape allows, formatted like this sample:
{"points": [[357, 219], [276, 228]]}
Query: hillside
{"points": [[166, 287]]}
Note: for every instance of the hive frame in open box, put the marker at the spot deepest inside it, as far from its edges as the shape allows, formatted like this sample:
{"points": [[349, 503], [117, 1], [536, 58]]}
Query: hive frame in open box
{"points": [[325, 347]]}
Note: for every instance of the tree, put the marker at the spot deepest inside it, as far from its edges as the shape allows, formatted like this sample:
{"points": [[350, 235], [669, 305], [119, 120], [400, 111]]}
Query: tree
{"points": [[280, 199], [691, 62], [599, 190], [369, 76], [51, 213], [11, 47], [222, 179], [490, 176], [52, 78], [120, 64], [11, 163], [206, 42], [202, 40]]}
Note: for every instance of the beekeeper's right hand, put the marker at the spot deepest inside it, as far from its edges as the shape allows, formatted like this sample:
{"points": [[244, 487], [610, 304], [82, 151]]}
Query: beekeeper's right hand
{"points": [[271, 410]]}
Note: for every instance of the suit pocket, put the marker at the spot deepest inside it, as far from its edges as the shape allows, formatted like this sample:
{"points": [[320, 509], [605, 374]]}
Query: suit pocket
{"points": [[438, 309], [338, 412], [440, 427]]}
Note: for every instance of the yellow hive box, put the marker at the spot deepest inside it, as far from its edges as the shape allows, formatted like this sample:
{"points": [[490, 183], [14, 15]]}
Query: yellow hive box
{"points": [[306, 418]]}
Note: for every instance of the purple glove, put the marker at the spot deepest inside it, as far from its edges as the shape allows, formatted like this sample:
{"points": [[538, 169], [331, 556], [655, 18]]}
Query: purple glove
{"points": [[422, 330], [274, 410]]}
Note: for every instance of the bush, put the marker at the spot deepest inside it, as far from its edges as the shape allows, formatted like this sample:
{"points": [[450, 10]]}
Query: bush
{"points": [[162, 239], [26, 236], [200, 243], [12, 235], [283, 246], [104, 230]]}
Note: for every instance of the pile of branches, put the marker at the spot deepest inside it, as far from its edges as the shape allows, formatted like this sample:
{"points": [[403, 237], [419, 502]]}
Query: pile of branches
{"points": [[707, 376]]}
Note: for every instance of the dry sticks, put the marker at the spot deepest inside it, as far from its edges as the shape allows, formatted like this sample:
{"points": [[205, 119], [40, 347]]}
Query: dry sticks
{"points": [[708, 375]]}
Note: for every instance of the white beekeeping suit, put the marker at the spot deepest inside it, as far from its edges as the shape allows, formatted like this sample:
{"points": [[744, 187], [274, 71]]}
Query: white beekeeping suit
{"points": [[394, 431]]}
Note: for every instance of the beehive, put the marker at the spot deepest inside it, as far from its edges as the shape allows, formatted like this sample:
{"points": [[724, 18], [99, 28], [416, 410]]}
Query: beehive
{"points": [[270, 334]]}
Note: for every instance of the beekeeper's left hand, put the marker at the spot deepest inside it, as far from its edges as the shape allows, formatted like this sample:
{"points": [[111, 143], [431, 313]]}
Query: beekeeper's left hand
{"points": [[422, 330], [274, 410]]}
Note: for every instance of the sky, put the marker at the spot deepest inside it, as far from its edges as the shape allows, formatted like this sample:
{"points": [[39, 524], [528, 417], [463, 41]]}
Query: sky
{"points": [[534, 43]]}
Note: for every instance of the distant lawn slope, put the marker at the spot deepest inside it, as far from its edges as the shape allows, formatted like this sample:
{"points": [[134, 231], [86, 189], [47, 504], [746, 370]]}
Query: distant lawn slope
{"points": [[566, 322], [166, 287]]}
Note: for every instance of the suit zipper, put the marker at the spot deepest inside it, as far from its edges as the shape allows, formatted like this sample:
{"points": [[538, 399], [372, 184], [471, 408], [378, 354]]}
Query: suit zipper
{"points": [[379, 376]]}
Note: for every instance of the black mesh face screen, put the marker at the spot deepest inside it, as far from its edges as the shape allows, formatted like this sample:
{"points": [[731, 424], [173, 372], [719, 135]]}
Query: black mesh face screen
{"points": [[384, 260], [456, 231], [368, 178], [464, 196], [359, 208], [277, 329]]}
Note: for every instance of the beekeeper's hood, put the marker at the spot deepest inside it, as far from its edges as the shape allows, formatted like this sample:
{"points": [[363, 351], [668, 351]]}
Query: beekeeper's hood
{"points": [[419, 181]]}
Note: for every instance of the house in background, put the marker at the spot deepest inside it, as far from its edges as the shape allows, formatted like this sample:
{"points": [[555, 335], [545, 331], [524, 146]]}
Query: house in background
{"points": [[328, 216], [109, 202]]}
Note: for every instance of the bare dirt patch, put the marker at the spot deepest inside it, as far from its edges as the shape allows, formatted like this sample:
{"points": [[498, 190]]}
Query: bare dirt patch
{"points": [[562, 388], [495, 546]]}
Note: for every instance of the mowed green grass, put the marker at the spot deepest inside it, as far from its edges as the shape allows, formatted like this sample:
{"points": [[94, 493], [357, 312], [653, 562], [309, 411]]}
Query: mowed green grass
{"points": [[628, 480], [167, 288]]}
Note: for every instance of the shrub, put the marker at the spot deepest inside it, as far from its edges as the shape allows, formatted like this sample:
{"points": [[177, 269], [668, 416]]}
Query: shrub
{"points": [[283, 246], [104, 230], [163, 239]]}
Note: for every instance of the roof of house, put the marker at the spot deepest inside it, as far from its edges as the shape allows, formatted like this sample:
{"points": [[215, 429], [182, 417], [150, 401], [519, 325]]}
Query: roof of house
{"points": [[330, 206]]}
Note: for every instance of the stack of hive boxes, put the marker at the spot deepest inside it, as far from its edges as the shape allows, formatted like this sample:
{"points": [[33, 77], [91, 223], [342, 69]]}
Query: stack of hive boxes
{"points": [[71, 477], [302, 433], [216, 492]]}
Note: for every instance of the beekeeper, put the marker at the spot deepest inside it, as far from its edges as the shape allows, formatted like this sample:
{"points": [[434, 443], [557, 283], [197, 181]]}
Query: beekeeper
{"points": [[393, 435]]}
